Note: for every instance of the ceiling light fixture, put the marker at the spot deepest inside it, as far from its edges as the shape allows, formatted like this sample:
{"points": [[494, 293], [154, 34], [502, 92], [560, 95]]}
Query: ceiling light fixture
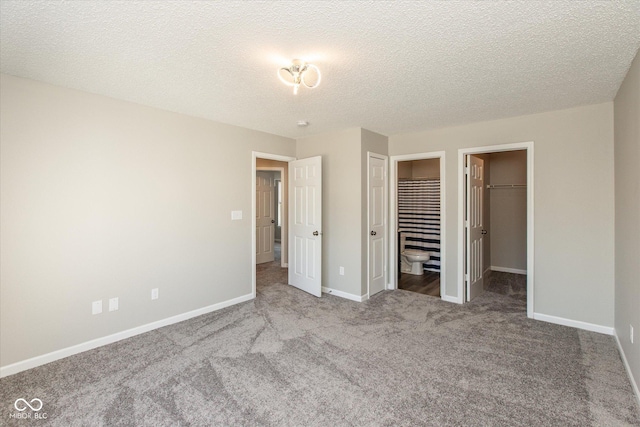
{"points": [[295, 75]]}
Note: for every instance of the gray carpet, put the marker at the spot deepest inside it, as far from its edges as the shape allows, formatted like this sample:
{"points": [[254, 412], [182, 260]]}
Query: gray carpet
{"points": [[290, 359], [513, 285]]}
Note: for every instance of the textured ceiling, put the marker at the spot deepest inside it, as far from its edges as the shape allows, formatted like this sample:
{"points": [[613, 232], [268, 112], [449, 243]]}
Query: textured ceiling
{"points": [[390, 67]]}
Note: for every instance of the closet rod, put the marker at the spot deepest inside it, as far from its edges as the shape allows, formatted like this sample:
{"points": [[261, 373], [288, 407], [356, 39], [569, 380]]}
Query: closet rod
{"points": [[507, 186]]}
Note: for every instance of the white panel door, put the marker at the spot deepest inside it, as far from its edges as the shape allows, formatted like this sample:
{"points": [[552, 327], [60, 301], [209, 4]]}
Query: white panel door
{"points": [[305, 218], [265, 216], [377, 224], [475, 227]]}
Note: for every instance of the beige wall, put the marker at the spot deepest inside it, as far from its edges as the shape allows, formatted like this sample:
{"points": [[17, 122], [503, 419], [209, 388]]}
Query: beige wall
{"points": [[573, 156], [627, 202], [427, 168], [405, 170], [341, 205], [102, 198], [508, 218], [268, 163], [344, 203]]}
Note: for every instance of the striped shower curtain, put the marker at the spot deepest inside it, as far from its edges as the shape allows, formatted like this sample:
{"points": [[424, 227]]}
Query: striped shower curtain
{"points": [[419, 217]]}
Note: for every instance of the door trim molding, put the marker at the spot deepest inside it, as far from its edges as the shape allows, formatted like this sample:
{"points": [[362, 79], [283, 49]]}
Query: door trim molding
{"points": [[385, 256], [268, 156], [462, 152], [393, 218]]}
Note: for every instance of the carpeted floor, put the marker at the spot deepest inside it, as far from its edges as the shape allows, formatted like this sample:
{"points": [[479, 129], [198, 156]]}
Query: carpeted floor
{"points": [[290, 359], [513, 285]]}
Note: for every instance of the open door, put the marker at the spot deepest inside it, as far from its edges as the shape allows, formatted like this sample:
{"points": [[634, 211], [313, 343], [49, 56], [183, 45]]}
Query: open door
{"points": [[305, 232], [265, 216], [474, 224]]}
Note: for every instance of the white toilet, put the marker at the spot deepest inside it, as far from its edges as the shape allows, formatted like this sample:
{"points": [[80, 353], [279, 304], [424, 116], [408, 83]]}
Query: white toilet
{"points": [[411, 261]]}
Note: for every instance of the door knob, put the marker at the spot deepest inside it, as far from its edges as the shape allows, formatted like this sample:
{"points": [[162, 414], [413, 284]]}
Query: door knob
{"points": [[273, 221], [484, 231], [315, 233], [373, 233]]}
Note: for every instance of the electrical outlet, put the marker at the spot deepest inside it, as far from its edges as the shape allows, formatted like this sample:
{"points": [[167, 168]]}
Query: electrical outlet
{"points": [[342, 271], [96, 307], [631, 333], [113, 304], [154, 293]]}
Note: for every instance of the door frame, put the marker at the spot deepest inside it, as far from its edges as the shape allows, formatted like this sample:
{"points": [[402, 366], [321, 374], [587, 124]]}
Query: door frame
{"points": [[284, 224], [385, 256], [462, 152], [393, 218], [268, 156]]}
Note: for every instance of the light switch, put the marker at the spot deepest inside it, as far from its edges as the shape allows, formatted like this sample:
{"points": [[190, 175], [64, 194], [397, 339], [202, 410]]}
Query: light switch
{"points": [[236, 215]]}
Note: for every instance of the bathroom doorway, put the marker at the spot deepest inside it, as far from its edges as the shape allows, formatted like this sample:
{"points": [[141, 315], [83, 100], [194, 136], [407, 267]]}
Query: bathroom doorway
{"points": [[418, 220]]}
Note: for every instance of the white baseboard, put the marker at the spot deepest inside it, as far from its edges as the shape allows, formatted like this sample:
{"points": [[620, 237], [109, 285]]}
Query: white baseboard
{"points": [[454, 300], [634, 385], [575, 324], [508, 270], [345, 295], [33, 362]]}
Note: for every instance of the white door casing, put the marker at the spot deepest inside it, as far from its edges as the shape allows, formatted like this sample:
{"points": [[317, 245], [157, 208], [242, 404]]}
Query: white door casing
{"points": [[393, 244], [462, 154], [377, 202], [265, 216], [474, 226], [305, 232]]}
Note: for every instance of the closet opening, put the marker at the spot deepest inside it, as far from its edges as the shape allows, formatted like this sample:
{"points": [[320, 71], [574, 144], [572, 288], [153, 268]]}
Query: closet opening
{"points": [[496, 223]]}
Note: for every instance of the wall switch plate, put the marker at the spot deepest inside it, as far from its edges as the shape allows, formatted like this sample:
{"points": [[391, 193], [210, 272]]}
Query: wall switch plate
{"points": [[236, 215], [113, 304], [96, 307], [154, 293], [342, 271]]}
